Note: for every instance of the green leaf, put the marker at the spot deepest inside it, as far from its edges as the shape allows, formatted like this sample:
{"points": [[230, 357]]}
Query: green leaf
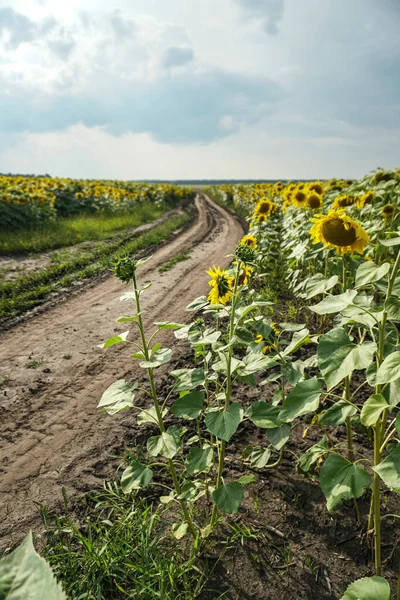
{"points": [[24, 574], [248, 479], [313, 454], [224, 424], [369, 272], [391, 242], [255, 362], [278, 436], [291, 374], [135, 477], [291, 326], [222, 363], [209, 337], [303, 399], [334, 304], [188, 379], [149, 416], [160, 357], [264, 415], [257, 455], [338, 413], [117, 339], [179, 530], [372, 409], [198, 303], [338, 356], [188, 491], [264, 328], [188, 406], [341, 480], [389, 370], [368, 588], [317, 284], [229, 497], [127, 319], [397, 423], [117, 397], [168, 325], [392, 308], [198, 460], [163, 445], [389, 469], [299, 339]]}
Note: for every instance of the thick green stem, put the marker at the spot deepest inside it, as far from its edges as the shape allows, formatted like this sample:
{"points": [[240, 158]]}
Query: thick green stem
{"points": [[377, 500], [158, 409]]}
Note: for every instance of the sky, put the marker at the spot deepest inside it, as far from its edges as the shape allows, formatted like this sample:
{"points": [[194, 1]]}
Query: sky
{"points": [[199, 89]]}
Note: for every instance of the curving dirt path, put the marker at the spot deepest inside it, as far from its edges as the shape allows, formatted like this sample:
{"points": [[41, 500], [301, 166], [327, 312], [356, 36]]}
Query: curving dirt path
{"points": [[52, 435]]}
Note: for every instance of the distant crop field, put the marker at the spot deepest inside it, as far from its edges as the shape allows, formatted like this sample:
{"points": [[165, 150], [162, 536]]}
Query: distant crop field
{"points": [[56, 233]]}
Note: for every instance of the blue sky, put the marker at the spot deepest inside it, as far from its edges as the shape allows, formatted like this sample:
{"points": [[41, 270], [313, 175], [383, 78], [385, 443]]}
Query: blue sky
{"points": [[199, 88]]}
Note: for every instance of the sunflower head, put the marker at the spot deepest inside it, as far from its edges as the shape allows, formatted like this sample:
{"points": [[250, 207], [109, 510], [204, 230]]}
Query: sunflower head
{"points": [[221, 284], [343, 201], [316, 187], [299, 197], [387, 211], [249, 240], [314, 201], [264, 208], [365, 199], [337, 229]]}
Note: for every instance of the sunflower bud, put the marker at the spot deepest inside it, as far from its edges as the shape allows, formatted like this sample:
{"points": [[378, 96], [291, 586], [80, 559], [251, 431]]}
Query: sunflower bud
{"points": [[124, 268], [245, 253]]}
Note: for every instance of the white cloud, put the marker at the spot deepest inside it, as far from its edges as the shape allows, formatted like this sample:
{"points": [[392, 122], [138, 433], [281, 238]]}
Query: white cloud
{"points": [[128, 74]]}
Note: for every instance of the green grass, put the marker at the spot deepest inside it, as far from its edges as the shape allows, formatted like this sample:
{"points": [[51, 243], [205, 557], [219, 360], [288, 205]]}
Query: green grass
{"points": [[74, 230], [174, 261], [34, 364], [122, 549], [33, 289]]}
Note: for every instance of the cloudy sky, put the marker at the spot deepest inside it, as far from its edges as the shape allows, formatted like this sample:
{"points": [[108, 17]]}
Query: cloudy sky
{"points": [[199, 88]]}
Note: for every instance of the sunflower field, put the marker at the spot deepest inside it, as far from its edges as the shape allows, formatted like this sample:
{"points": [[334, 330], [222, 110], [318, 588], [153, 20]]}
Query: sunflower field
{"points": [[33, 200], [299, 333], [335, 247]]}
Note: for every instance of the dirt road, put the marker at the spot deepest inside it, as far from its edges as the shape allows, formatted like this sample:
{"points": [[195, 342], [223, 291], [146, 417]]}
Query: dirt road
{"points": [[52, 435]]}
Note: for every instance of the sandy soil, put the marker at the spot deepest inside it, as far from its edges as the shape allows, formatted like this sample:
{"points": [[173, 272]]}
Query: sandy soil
{"points": [[52, 435]]}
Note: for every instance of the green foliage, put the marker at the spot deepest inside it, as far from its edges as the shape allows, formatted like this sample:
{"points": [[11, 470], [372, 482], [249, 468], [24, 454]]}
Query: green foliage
{"points": [[24, 574], [120, 546], [368, 588], [341, 480]]}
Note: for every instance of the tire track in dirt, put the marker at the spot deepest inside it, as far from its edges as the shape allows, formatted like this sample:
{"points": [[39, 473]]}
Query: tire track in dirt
{"points": [[52, 435]]}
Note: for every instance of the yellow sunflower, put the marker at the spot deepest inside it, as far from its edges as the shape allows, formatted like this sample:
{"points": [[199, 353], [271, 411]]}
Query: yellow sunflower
{"points": [[249, 240], [221, 284], [299, 197], [337, 229], [314, 201], [264, 208], [365, 199], [387, 211], [270, 343], [343, 202], [245, 273], [317, 187]]}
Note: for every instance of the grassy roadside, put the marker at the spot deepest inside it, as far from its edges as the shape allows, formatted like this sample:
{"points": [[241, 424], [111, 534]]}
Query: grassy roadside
{"points": [[31, 290], [122, 551], [74, 230]]}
